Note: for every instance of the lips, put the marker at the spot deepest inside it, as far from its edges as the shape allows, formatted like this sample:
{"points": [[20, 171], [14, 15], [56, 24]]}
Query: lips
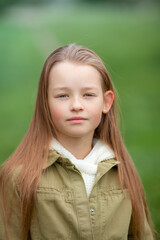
{"points": [[76, 120]]}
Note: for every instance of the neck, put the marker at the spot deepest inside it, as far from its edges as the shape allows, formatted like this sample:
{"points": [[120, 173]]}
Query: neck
{"points": [[79, 147]]}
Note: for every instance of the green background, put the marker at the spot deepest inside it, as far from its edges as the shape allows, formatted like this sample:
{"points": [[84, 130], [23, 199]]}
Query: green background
{"points": [[128, 41]]}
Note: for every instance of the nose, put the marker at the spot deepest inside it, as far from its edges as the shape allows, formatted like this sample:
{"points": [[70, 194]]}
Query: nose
{"points": [[76, 104]]}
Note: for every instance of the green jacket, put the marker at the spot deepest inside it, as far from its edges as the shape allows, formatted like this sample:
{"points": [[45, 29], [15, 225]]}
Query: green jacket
{"points": [[64, 212]]}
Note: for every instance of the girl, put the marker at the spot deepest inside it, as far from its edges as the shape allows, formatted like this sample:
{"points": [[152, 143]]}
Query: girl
{"points": [[71, 177]]}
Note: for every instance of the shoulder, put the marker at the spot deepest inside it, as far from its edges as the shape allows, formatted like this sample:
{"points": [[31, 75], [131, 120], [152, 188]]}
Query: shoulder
{"points": [[9, 180]]}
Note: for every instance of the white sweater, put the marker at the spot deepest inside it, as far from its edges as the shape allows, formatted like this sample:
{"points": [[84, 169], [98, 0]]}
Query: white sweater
{"points": [[87, 166]]}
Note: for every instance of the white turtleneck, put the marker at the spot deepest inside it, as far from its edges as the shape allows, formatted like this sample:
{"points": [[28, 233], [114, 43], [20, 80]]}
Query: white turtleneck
{"points": [[87, 166]]}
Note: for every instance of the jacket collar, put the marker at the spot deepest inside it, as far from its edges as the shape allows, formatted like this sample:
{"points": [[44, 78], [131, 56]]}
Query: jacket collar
{"points": [[55, 156], [52, 158]]}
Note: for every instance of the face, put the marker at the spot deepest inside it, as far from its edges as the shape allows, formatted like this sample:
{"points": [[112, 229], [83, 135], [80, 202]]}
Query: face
{"points": [[76, 99]]}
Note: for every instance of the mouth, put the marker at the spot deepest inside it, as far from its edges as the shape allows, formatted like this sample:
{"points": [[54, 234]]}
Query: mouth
{"points": [[76, 119]]}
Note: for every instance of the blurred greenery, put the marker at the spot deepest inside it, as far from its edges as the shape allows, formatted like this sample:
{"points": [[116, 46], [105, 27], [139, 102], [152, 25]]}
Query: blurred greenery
{"points": [[6, 3], [127, 40]]}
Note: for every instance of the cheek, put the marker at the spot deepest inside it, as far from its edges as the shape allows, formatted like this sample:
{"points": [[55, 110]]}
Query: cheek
{"points": [[96, 114], [56, 113]]}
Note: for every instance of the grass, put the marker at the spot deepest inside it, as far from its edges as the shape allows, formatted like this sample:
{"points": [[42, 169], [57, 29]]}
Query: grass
{"points": [[128, 41]]}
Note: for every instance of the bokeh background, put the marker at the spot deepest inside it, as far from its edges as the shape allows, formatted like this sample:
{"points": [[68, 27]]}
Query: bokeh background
{"points": [[126, 35]]}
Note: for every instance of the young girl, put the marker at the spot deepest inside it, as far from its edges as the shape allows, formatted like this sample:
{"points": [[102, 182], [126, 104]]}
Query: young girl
{"points": [[71, 177]]}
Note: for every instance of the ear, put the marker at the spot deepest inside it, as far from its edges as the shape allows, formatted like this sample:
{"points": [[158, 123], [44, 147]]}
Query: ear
{"points": [[108, 100]]}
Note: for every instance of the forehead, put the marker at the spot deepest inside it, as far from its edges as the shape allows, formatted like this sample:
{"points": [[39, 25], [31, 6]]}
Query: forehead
{"points": [[67, 73]]}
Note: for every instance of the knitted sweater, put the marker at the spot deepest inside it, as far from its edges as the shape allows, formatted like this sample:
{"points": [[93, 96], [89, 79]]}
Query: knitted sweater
{"points": [[87, 166]]}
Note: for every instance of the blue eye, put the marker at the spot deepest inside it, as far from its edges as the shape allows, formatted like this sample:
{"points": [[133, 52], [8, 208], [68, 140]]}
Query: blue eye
{"points": [[89, 95], [63, 96]]}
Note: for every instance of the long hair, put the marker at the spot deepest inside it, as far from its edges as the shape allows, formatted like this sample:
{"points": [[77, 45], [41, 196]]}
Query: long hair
{"points": [[32, 153]]}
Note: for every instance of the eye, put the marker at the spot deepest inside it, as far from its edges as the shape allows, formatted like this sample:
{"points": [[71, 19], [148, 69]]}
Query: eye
{"points": [[62, 96], [89, 95]]}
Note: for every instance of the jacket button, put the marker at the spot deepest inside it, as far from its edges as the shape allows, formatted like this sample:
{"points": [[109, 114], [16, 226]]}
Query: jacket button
{"points": [[92, 210]]}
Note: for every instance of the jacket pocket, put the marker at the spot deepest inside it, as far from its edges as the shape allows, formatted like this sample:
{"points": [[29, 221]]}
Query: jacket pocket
{"points": [[52, 216], [116, 214]]}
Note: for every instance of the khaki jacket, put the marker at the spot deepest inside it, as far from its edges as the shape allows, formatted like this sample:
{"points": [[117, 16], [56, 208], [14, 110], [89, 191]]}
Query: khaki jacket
{"points": [[64, 212]]}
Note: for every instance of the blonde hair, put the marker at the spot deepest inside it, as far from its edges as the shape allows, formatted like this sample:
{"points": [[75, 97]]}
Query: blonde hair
{"points": [[32, 152]]}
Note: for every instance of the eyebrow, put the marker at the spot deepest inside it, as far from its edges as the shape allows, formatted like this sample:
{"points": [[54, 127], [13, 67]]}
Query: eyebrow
{"points": [[67, 88]]}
